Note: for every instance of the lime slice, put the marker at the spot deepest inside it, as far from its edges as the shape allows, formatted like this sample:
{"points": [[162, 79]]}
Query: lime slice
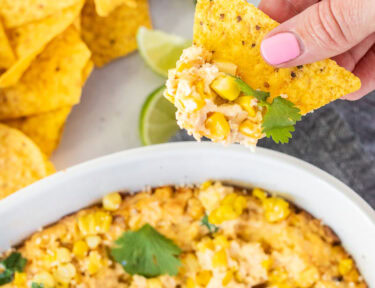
{"points": [[157, 121], [160, 50]]}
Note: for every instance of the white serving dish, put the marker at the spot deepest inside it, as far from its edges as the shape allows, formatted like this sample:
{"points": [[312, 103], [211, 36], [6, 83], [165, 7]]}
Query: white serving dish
{"points": [[310, 188]]}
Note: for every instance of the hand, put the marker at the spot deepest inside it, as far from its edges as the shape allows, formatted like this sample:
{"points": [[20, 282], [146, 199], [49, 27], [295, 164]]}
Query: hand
{"points": [[312, 30]]}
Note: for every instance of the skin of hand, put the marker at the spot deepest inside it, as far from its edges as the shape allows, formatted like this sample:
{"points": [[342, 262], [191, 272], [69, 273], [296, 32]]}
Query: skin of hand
{"points": [[313, 30]]}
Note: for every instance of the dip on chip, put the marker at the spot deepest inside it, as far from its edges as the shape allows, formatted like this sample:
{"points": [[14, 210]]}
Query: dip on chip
{"points": [[22, 163], [224, 90], [53, 80], [7, 57], [44, 129], [30, 39], [115, 35]]}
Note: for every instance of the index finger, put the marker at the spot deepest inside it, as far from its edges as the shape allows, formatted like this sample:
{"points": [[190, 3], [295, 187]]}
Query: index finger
{"points": [[282, 10]]}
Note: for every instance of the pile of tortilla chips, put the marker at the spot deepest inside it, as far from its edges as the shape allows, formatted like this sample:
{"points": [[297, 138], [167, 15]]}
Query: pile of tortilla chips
{"points": [[48, 49]]}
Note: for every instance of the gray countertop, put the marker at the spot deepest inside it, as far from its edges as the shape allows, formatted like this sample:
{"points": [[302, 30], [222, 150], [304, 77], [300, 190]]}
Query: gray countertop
{"points": [[338, 138]]}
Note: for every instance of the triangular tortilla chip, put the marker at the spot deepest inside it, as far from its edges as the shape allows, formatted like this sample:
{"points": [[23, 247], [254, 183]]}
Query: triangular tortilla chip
{"points": [[29, 40], [7, 56], [19, 12], [87, 71], [105, 7], [53, 80], [44, 129], [22, 163], [234, 31], [113, 36]]}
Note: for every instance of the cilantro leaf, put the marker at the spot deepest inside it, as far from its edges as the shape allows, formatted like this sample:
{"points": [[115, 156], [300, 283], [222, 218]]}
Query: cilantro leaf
{"points": [[146, 252], [211, 227], [14, 262], [37, 285], [6, 276], [280, 117], [248, 91], [279, 120]]}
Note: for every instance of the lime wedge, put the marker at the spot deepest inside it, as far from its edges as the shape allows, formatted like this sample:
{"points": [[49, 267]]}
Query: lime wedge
{"points": [[157, 121], [160, 50]]}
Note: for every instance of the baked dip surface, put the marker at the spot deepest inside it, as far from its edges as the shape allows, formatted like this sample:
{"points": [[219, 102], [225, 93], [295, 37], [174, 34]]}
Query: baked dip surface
{"points": [[212, 235]]}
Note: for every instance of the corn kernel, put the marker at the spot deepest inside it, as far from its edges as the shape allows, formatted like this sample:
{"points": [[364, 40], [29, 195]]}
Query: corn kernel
{"points": [[169, 97], [95, 262], [44, 278], [154, 283], [94, 223], [218, 126], [275, 209], [205, 243], [227, 278], [221, 241], [222, 214], [190, 283], [278, 276], [80, 249], [93, 241], [259, 193], [182, 66], [226, 67], [238, 276], [248, 128], [229, 199], [112, 201], [203, 277], [226, 87], [220, 259], [63, 255], [163, 192], [19, 279], [267, 264], [308, 277], [245, 103], [239, 204], [345, 266], [202, 92], [206, 184], [65, 273]]}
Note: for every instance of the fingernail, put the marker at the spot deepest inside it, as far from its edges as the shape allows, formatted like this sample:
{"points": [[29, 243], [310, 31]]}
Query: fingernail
{"points": [[280, 48]]}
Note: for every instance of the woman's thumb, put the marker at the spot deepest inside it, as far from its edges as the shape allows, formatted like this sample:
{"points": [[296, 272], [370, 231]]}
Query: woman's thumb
{"points": [[324, 30]]}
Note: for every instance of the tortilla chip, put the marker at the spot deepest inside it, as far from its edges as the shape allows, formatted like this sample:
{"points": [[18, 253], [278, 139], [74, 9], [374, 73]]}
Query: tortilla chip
{"points": [[7, 56], [113, 36], [19, 12], [29, 40], [105, 7], [53, 80], [22, 163], [87, 71], [44, 129], [234, 31]]}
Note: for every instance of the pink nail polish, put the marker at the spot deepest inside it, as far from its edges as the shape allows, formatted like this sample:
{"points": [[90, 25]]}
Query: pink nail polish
{"points": [[280, 48]]}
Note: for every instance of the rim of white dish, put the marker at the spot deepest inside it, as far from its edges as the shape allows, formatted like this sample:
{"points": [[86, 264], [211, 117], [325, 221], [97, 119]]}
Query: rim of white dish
{"points": [[33, 190]]}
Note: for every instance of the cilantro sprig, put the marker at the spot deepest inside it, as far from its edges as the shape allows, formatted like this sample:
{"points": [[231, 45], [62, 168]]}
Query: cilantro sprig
{"points": [[281, 115], [37, 285], [146, 252], [211, 227], [14, 262]]}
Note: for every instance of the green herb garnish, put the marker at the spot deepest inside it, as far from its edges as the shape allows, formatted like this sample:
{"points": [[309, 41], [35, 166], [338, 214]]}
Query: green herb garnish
{"points": [[146, 252], [280, 117], [14, 262], [37, 285], [211, 227]]}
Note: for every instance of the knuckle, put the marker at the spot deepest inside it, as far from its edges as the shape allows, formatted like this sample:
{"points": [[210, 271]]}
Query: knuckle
{"points": [[327, 25]]}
